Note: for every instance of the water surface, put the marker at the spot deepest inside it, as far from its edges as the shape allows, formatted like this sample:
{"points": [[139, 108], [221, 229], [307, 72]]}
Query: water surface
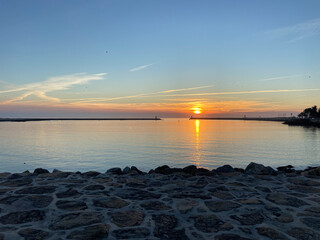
{"points": [[100, 145]]}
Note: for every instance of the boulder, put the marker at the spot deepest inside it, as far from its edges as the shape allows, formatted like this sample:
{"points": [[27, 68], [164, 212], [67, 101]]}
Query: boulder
{"points": [[225, 169], [259, 169], [115, 170], [40, 171]]}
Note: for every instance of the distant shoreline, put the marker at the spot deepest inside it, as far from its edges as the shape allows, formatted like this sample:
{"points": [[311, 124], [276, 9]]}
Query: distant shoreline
{"points": [[74, 119], [274, 119]]}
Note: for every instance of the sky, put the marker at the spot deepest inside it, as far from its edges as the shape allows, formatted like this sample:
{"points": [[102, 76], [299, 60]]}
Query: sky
{"points": [[124, 58]]}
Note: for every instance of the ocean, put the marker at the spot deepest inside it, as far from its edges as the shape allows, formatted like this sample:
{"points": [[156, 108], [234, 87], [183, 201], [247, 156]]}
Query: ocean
{"points": [[100, 145]]}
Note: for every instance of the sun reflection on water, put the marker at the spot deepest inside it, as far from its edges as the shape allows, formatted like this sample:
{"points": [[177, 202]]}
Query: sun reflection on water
{"points": [[197, 151]]}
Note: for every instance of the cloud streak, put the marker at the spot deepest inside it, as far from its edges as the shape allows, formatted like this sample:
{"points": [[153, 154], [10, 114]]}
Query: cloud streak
{"points": [[140, 68], [283, 77], [40, 89], [297, 32]]}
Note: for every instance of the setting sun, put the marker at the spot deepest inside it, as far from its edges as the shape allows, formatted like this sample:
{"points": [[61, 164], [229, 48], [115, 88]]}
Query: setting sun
{"points": [[196, 111]]}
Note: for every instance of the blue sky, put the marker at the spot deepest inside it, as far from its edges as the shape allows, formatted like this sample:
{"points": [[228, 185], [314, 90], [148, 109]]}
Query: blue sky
{"points": [[164, 56]]}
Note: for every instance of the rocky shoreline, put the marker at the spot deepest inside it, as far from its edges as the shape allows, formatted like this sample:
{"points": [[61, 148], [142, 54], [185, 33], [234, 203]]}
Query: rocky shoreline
{"points": [[167, 203]]}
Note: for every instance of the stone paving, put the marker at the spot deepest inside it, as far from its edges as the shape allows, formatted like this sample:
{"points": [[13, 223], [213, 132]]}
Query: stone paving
{"points": [[167, 203]]}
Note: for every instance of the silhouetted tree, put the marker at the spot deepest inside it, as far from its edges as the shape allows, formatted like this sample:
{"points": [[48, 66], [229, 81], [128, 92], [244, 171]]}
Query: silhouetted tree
{"points": [[310, 113]]}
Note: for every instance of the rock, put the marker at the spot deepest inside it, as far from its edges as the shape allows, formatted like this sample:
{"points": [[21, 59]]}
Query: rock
{"points": [[311, 222], [303, 189], [127, 218], [225, 169], [90, 174], [17, 182], [78, 219], [68, 193], [115, 170], [249, 219], [263, 189], [22, 217], [312, 172], [126, 170], [1, 236], [4, 190], [164, 225], [303, 234], [10, 199], [39, 201], [259, 169], [219, 206], [271, 233], [208, 223], [36, 190], [285, 218], [15, 176], [154, 205], [112, 202], [304, 182], [286, 169], [94, 187], [137, 194], [33, 234], [230, 236], [163, 170], [4, 174], [284, 199], [40, 171], [131, 233], [223, 195], [71, 205], [250, 201], [186, 205], [190, 169], [97, 231], [133, 168]]}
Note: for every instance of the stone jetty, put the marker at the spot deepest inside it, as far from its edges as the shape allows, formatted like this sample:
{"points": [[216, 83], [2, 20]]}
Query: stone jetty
{"points": [[167, 203]]}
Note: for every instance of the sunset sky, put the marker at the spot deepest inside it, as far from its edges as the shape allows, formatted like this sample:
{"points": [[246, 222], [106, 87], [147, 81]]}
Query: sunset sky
{"points": [[158, 57]]}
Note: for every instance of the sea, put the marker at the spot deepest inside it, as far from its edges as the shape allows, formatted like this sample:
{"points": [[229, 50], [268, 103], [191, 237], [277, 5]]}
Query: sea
{"points": [[176, 142]]}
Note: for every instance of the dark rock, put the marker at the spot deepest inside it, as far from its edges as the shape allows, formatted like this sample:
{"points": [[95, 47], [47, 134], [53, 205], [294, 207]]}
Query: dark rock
{"points": [[286, 169], [285, 218], [17, 182], [304, 182], [137, 194], [263, 189], [219, 206], [71, 205], [33, 234], [208, 223], [112, 202], [225, 169], [10, 199], [4, 175], [303, 234], [163, 170], [311, 222], [39, 201], [284, 199], [15, 176], [68, 193], [312, 172], [36, 190], [93, 232], [22, 217], [90, 174], [164, 225], [133, 168], [94, 187], [79, 219], [190, 169], [1, 236], [126, 170], [154, 205], [303, 189], [4, 190], [186, 205], [40, 171], [259, 169], [249, 219], [250, 201], [131, 233], [230, 236], [271, 233], [223, 195], [190, 195], [200, 183], [115, 170], [127, 218]]}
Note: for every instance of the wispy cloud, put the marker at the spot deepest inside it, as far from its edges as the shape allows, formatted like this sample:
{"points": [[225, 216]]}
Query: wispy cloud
{"points": [[40, 89], [144, 94], [297, 32], [283, 77], [244, 92], [140, 68]]}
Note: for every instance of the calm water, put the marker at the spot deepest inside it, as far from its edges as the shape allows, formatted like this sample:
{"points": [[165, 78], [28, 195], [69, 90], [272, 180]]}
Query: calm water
{"points": [[100, 145]]}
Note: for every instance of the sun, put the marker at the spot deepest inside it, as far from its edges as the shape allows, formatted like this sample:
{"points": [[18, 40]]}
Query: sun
{"points": [[196, 111]]}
